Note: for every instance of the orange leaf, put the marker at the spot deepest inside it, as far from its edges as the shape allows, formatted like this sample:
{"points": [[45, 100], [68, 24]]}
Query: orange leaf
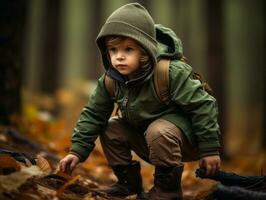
{"points": [[68, 183], [64, 175], [7, 161]]}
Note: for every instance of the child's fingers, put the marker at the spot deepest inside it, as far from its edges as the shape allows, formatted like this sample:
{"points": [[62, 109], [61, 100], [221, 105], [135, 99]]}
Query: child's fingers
{"points": [[62, 165], [57, 168], [211, 164], [202, 163], [208, 170], [213, 169], [73, 164]]}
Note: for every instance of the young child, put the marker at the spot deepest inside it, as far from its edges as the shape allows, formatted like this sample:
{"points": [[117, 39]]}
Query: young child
{"points": [[165, 135]]}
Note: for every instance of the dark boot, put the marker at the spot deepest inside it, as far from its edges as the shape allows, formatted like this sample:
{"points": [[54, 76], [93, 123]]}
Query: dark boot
{"points": [[167, 183], [129, 180]]}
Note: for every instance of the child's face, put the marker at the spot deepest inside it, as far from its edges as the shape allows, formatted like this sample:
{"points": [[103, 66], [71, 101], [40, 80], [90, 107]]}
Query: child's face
{"points": [[125, 56]]}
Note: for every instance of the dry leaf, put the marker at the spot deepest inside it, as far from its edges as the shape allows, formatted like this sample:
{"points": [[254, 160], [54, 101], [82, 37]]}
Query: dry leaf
{"points": [[28, 163], [70, 182], [3, 138], [43, 164], [89, 183], [14, 180], [64, 175], [47, 191], [7, 162]]}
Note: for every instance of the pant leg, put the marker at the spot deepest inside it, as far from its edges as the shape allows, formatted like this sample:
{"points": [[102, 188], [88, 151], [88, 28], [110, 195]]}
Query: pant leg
{"points": [[119, 139], [167, 144]]}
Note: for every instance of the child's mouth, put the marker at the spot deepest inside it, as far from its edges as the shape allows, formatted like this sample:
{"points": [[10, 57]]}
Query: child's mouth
{"points": [[121, 66]]}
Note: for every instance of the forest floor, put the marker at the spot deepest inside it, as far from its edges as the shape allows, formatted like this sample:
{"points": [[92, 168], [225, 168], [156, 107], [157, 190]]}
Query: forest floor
{"points": [[37, 141]]}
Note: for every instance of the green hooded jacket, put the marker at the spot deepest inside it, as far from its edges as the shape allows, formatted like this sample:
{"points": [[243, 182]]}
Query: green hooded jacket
{"points": [[194, 111]]}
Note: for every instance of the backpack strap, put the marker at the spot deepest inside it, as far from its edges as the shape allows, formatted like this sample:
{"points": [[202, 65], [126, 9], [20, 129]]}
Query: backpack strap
{"points": [[109, 85], [161, 80]]}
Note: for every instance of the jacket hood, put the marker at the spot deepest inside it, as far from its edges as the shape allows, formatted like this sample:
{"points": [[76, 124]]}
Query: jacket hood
{"points": [[134, 21], [168, 44]]}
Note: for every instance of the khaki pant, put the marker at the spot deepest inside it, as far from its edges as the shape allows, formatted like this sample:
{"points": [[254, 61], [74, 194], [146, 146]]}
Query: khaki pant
{"points": [[162, 144]]}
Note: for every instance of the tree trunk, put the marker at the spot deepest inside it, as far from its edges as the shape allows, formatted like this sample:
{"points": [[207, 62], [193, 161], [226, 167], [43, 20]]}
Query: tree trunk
{"points": [[215, 61], [264, 115], [49, 68], [12, 20]]}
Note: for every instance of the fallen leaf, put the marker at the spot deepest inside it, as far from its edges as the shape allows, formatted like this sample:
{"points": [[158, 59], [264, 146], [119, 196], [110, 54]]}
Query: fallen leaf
{"points": [[14, 180], [68, 183], [64, 175], [43, 164], [8, 164], [3, 138], [47, 191]]}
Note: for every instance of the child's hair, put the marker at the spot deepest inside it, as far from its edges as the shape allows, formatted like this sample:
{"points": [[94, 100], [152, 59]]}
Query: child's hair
{"points": [[114, 40]]}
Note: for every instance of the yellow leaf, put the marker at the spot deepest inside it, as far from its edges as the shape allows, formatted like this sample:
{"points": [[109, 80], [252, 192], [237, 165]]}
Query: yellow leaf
{"points": [[43, 164]]}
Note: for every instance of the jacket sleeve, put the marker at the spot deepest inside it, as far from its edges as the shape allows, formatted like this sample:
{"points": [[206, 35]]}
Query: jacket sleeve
{"points": [[93, 119], [188, 94]]}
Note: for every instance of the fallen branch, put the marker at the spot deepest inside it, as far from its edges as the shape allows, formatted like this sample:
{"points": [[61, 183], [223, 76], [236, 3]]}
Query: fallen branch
{"points": [[235, 187], [222, 192], [256, 183]]}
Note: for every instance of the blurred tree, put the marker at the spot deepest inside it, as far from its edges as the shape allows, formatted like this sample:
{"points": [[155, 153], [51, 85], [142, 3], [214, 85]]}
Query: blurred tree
{"points": [[264, 114], [12, 19], [34, 32], [245, 77], [96, 20], [215, 61], [50, 52]]}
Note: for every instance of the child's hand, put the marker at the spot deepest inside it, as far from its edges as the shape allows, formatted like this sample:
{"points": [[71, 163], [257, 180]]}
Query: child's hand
{"points": [[210, 163], [68, 163]]}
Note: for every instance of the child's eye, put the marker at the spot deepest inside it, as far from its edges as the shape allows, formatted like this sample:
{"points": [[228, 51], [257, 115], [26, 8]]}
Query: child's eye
{"points": [[111, 49], [129, 49]]}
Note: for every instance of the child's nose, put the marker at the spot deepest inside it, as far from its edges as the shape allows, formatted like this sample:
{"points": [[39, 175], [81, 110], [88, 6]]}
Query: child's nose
{"points": [[120, 55]]}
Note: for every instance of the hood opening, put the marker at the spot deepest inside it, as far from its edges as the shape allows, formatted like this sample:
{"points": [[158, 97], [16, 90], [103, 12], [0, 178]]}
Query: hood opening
{"points": [[169, 45]]}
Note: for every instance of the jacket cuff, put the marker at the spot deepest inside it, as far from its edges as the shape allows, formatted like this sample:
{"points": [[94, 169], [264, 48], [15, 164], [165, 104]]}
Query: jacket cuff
{"points": [[76, 154], [209, 148], [209, 153], [80, 152]]}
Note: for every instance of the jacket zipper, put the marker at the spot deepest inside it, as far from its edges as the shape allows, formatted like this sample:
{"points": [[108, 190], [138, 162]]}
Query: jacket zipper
{"points": [[125, 103]]}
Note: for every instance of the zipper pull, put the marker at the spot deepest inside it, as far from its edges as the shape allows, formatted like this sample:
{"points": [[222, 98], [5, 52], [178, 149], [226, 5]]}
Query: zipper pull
{"points": [[125, 101]]}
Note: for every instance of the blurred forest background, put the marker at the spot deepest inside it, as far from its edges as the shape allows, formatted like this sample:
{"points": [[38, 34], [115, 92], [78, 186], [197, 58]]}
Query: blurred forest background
{"points": [[49, 63]]}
